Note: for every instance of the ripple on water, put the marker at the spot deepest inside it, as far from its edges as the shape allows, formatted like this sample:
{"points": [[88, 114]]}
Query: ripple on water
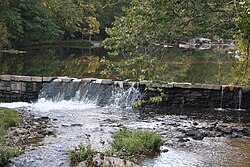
{"points": [[72, 121]]}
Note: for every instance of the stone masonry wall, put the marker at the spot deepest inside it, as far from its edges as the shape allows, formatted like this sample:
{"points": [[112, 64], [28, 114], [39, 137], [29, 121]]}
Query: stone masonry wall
{"points": [[203, 95], [27, 88], [21, 88]]}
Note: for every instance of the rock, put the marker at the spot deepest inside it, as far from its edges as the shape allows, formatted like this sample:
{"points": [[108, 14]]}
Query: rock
{"points": [[196, 135], [164, 150], [195, 123], [99, 160], [225, 130], [22, 131], [74, 125], [183, 140], [246, 131]]}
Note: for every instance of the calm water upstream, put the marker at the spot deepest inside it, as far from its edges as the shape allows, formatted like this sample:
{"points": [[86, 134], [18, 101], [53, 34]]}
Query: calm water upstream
{"points": [[195, 66], [193, 137]]}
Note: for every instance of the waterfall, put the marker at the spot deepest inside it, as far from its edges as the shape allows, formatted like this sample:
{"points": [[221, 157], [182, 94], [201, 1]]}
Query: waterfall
{"points": [[222, 94], [116, 95], [240, 97]]}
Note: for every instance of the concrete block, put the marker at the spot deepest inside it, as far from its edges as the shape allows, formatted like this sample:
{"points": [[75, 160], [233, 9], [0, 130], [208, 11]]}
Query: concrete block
{"points": [[143, 82], [169, 85], [183, 85], [156, 85], [16, 78], [211, 87], [19, 86], [13, 86], [36, 79], [23, 89], [5, 77], [66, 80], [27, 78], [107, 82], [88, 80], [47, 79], [197, 86]]}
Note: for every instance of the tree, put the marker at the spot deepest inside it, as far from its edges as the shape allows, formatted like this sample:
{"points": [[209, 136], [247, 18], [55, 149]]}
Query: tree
{"points": [[92, 27], [151, 22], [37, 24]]}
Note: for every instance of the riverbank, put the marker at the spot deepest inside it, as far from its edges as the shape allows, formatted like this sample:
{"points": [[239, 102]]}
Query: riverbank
{"points": [[190, 135], [20, 131]]}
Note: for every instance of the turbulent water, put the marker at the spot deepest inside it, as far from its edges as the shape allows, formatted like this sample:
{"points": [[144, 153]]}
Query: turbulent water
{"points": [[77, 111]]}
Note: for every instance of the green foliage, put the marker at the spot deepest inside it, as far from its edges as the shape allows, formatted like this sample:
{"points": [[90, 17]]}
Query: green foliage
{"points": [[37, 24], [9, 118], [6, 153], [151, 22], [81, 154], [138, 104], [3, 33], [136, 141], [41, 20]]}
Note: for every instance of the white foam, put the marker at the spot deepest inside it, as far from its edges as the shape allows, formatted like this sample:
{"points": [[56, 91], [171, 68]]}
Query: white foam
{"points": [[15, 104], [48, 105]]}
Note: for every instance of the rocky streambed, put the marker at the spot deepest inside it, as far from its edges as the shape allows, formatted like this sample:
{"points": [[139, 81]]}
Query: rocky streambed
{"points": [[193, 137], [29, 133]]}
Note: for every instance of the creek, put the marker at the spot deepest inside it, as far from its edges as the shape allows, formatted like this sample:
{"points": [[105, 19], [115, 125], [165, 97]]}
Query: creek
{"points": [[193, 137]]}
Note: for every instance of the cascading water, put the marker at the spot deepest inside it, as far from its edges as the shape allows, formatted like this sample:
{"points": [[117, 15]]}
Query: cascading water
{"points": [[240, 97], [116, 95], [222, 95], [73, 108]]}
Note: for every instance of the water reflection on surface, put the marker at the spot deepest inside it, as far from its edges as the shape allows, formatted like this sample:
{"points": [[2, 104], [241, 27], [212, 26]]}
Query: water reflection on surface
{"points": [[195, 66]]}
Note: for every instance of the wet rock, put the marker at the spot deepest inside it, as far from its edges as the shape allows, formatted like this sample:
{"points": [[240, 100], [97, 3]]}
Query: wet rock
{"points": [[183, 140], [30, 129], [99, 160], [246, 131], [21, 131], [226, 130], [74, 125], [199, 136], [164, 150], [194, 134], [44, 117], [195, 123]]}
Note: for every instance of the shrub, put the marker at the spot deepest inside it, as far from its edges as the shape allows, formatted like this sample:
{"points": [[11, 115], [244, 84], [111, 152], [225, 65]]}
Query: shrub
{"points": [[9, 118], [6, 153], [136, 141], [81, 154]]}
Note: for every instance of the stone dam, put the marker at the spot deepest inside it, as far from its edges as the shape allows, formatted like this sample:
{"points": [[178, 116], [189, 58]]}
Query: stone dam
{"points": [[15, 88]]}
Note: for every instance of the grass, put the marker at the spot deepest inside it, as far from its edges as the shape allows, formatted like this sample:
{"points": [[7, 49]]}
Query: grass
{"points": [[136, 141], [8, 118], [6, 153], [81, 154]]}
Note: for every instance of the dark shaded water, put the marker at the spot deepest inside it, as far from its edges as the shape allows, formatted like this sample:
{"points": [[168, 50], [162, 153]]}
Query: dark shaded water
{"points": [[195, 66]]}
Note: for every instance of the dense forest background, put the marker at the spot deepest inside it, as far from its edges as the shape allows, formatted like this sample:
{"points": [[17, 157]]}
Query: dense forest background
{"points": [[43, 20]]}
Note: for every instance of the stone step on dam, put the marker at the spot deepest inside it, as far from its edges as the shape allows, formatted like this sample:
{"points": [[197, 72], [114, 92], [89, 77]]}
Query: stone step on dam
{"points": [[29, 88]]}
